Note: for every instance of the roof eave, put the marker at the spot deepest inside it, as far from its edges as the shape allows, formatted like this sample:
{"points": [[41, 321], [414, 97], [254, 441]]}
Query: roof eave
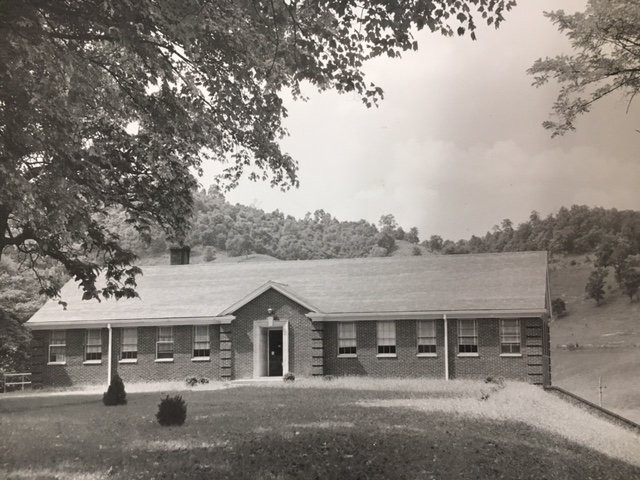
{"points": [[426, 315], [129, 322]]}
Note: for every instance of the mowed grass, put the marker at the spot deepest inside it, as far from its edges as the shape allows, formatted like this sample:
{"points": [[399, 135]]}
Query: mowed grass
{"points": [[607, 339], [341, 429]]}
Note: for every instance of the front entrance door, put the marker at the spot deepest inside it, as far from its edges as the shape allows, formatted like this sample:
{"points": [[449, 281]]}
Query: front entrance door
{"points": [[275, 353]]}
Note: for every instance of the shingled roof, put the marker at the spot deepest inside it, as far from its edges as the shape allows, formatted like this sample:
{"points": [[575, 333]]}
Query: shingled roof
{"points": [[430, 283]]}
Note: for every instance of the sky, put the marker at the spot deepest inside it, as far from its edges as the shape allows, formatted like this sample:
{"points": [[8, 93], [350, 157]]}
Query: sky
{"points": [[457, 144]]}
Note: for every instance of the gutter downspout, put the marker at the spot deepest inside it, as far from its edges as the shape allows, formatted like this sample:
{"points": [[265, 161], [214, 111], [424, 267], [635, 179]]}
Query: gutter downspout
{"points": [[446, 347], [110, 351]]}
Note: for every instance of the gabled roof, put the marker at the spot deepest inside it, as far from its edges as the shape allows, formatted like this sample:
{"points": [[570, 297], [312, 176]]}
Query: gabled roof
{"points": [[430, 283]]}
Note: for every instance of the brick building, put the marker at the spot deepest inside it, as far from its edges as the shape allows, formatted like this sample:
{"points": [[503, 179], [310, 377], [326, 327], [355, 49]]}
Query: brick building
{"points": [[438, 316]]}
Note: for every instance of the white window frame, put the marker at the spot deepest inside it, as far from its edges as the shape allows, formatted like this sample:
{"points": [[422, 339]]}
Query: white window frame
{"points": [[347, 340], [466, 349], [164, 342], [510, 343], [92, 341], [199, 344], [426, 338], [57, 343], [129, 349], [386, 338]]}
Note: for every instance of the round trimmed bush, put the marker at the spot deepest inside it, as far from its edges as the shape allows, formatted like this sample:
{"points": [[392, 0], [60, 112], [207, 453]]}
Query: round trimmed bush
{"points": [[115, 394], [171, 411]]}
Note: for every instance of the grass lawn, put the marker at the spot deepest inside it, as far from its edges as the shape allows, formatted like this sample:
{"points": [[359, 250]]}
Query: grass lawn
{"points": [[426, 430]]}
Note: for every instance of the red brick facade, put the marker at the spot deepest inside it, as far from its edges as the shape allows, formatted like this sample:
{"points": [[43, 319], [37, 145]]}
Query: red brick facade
{"points": [[313, 350]]}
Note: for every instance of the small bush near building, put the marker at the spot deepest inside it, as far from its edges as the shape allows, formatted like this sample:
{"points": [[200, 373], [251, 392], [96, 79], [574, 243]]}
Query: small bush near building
{"points": [[558, 307], [191, 381], [171, 411], [115, 394], [288, 377]]}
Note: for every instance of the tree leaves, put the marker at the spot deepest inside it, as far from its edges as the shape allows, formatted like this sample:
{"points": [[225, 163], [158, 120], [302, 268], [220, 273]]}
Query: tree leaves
{"points": [[200, 81], [605, 39]]}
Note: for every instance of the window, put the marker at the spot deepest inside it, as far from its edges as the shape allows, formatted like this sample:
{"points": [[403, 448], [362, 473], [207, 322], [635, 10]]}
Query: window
{"points": [[93, 345], [346, 338], [58, 346], [386, 338], [510, 336], [467, 336], [201, 348], [129, 348], [426, 336], [164, 344]]}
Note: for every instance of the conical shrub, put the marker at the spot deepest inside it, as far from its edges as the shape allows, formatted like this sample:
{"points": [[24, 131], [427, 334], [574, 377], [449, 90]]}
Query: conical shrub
{"points": [[115, 394]]}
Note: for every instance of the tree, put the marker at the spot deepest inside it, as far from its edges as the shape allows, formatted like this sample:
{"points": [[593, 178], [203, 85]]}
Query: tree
{"points": [[606, 41], [595, 285], [108, 104], [388, 224], [412, 236], [631, 282], [435, 243]]}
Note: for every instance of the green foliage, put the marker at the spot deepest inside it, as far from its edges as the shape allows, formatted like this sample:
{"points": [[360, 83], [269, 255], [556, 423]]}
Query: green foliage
{"points": [[605, 39], [558, 307], [595, 285], [171, 411], [115, 394], [113, 105]]}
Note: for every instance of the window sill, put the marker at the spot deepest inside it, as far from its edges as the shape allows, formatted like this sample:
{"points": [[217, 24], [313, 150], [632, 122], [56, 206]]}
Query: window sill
{"points": [[56, 363], [92, 362], [128, 360], [432, 355], [347, 355], [469, 354], [513, 355], [164, 360], [201, 359], [387, 355]]}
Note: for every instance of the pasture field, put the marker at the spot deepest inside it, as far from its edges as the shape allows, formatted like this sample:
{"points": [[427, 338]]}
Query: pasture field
{"points": [[345, 428]]}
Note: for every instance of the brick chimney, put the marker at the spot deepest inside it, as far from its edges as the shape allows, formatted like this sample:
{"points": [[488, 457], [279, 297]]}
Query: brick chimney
{"points": [[180, 255]]}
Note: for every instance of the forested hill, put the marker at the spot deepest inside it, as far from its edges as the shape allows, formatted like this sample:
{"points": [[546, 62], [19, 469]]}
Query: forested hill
{"points": [[576, 230], [219, 226]]}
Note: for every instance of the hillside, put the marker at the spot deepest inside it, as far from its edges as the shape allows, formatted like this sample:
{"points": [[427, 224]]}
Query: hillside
{"points": [[594, 342]]}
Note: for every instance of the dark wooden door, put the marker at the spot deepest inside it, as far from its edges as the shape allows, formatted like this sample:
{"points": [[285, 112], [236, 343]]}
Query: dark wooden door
{"points": [[275, 353]]}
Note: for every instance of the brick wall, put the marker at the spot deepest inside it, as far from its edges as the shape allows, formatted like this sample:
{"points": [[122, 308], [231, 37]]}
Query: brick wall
{"points": [[147, 369], [527, 367], [406, 363], [76, 372], [284, 309]]}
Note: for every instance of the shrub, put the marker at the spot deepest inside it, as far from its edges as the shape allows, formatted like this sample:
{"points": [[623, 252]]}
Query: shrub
{"points": [[558, 307], [288, 377], [327, 378], [415, 251], [171, 411], [191, 381], [204, 380], [115, 394]]}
